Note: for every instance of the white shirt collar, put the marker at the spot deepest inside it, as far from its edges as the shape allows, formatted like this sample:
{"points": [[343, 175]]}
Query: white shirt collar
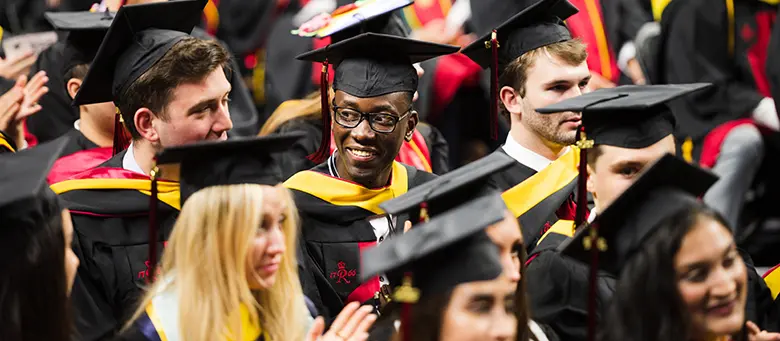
{"points": [[129, 163], [77, 124], [592, 215], [526, 156]]}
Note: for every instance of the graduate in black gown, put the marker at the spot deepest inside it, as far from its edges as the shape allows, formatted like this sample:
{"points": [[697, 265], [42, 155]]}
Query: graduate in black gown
{"points": [[339, 199], [111, 203], [85, 33], [539, 188], [631, 127]]}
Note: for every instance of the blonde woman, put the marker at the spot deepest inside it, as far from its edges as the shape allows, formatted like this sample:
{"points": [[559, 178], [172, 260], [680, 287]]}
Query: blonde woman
{"points": [[229, 273]]}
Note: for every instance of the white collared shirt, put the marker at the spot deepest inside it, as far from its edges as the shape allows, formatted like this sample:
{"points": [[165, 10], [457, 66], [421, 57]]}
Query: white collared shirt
{"points": [[526, 156], [129, 163], [592, 215]]}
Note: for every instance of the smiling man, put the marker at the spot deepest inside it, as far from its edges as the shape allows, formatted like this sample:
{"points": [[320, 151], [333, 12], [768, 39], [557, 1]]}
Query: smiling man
{"points": [[338, 200], [538, 64], [171, 89]]}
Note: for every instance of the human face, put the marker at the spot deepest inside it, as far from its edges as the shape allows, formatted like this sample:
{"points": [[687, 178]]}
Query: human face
{"points": [[480, 311], [551, 80], [197, 111], [711, 280], [506, 234], [365, 156], [268, 245], [71, 261], [617, 168]]}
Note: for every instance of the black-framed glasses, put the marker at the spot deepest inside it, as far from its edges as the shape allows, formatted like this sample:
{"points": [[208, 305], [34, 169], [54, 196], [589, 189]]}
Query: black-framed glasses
{"points": [[381, 122]]}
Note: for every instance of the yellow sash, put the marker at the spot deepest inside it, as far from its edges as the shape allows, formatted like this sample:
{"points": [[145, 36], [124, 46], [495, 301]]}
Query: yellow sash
{"points": [[564, 227], [553, 178], [772, 279], [167, 191], [4, 143], [344, 193]]}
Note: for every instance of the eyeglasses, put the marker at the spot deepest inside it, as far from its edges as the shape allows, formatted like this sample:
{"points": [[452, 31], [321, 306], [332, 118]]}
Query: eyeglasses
{"points": [[381, 122]]}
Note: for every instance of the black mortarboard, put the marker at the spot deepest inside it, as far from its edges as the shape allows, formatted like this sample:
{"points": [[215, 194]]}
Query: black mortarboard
{"points": [[86, 31], [452, 189], [235, 161], [538, 25], [23, 184], [139, 37], [371, 57], [629, 116], [670, 186], [374, 64], [448, 250]]}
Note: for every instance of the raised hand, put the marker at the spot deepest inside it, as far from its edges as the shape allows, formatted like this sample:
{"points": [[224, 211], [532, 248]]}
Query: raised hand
{"points": [[11, 68], [352, 324], [756, 334]]}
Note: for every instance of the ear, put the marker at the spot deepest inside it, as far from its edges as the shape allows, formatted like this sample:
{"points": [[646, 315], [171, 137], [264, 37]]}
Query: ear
{"points": [[411, 123], [144, 124], [511, 100], [73, 86], [591, 182]]}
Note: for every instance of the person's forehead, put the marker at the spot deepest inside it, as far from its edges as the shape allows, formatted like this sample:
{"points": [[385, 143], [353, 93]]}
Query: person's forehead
{"points": [[213, 84], [395, 99], [706, 231], [547, 67], [614, 154]]}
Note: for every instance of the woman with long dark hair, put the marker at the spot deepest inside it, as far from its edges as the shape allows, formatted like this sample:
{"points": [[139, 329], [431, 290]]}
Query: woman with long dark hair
{"points": [[38, 265], [681, 276]]}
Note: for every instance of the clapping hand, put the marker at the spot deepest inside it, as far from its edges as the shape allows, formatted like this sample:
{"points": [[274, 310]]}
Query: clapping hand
{"points": [[756, 334], [352, 324], [21, 102]]}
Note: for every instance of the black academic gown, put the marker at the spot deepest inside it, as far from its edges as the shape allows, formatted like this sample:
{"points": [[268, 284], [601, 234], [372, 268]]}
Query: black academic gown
{"points": [[335, 230], [694, 48], [78, 142], [57, 115], [110, 238], [772, 66], [294, 159], [558, 290], [541, 216]]}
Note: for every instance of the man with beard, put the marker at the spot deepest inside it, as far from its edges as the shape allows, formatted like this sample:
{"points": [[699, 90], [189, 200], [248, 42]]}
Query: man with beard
{"points": [[339, 199], [171, 90], [538, 64]]}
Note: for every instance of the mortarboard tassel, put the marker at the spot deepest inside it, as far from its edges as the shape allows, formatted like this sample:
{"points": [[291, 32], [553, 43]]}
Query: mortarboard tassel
{"points": [[121, 136], [582, 190], [493, 45], [322, 153], [153, 226], [407, 295]]}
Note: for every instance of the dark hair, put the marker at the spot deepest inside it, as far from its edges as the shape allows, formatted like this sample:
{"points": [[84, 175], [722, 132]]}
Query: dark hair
{"points": [[33, 289], [77, 71], [189, 60], [427, 316], [647, 306]]}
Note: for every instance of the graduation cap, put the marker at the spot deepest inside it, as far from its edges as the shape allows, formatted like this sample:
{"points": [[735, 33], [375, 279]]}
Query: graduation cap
{"points": [[138, 38], [86, 32], [670, 186], [538, 25], [370, 58], [235, 161], [24, 187], [452, 189], [207, 163], [435, 257], [629, 116]]}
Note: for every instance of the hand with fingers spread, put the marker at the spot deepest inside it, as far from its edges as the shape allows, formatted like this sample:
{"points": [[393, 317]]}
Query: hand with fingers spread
{"points": [[756, 334], [13, 67], [352, 324], [32, 91], [10, 102]]}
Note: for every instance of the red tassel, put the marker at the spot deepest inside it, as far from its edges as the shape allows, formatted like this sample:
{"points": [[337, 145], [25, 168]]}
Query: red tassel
{"points": [[406, 317], [582, 188], [494, 87], [592, 283], [322, 153], [153, 227], [121, 136]]}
